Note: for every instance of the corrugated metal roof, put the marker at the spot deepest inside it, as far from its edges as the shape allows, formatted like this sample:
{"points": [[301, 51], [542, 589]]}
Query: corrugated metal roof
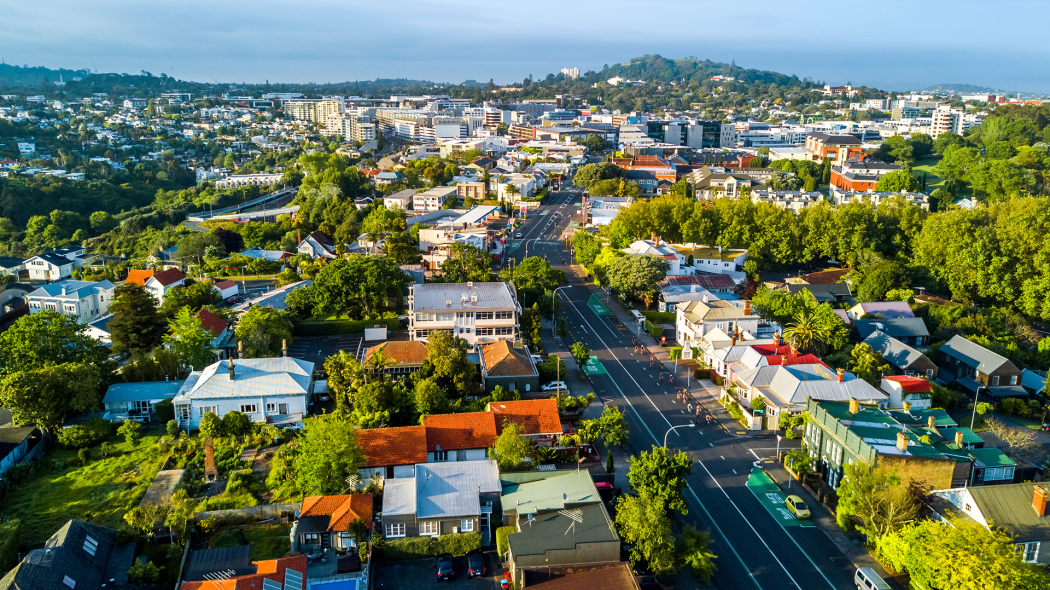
{"points": [[1010, 507], [894, 351], [144, 391], [252, 378], [399, 496], [975, 355], [451, 489], [432, 296], [552, 493], [896, 327]]}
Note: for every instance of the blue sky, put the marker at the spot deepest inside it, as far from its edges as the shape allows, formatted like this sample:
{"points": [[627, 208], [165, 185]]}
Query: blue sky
{"points": [[891, 44]]}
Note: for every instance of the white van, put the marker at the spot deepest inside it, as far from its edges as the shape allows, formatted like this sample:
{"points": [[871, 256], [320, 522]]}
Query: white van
{"points": [[868, 579]]}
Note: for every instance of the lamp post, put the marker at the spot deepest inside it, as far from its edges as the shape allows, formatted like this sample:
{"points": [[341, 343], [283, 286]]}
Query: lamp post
{"points": [[690, 425], [527, 246], [778, 447], [554, 320]]}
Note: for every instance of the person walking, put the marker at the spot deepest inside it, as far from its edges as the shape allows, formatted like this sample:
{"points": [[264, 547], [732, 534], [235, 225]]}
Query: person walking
{"points": [[660, 380]]}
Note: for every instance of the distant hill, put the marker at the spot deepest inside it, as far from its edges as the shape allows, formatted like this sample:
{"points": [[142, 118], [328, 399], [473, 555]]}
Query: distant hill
{"points": [[961, 89], [26, 76], [660, 69]]}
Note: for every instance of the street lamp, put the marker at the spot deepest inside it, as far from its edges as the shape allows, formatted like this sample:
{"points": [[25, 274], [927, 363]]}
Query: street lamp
{"points": [[778, 447], [527, 246], [554, 320], [690, 425]]}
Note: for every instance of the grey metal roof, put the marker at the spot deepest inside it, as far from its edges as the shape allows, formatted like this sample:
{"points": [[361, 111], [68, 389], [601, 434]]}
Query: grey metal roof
{"points": [[144, 391], [553, 532], [974, 355], [895, 327], [252, 378], [64, 555], [895, 352], [1010, 507], [73, 289], [832, 289], [433, 296], [555, 492], [793, 384], [399, 496], [451, 489], [888, 309], [1034, 381]]}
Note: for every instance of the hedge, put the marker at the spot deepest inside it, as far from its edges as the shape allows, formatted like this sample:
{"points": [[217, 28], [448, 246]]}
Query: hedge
{"points": [[334, 327], [502, 540], [417, 547], [653, 330], [660, 317], [10, 537]]}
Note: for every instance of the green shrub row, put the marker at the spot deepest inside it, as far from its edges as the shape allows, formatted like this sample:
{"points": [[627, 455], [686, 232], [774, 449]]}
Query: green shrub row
{"points": [[502, 540], [417, 547], [88, 434], [335, 327], [660, 317]]}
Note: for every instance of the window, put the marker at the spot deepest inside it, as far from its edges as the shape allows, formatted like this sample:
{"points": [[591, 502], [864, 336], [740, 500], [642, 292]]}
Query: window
{"points": [[1030, 551], [69, 308], [428, 528], [396, 529], [271, 407], [445, 317], [422, 334], [90, 545], [995, 380], [69, 581], [483, 315], [441, 455], [209, 410], [1013, 380], [466, 526], [465, 315], [504, 331], [51, 306], [503, 315], [248, 408], [310, 538]]}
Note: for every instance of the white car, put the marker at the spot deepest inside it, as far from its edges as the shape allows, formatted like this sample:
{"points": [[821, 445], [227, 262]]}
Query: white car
{"points": [[554, 386]]}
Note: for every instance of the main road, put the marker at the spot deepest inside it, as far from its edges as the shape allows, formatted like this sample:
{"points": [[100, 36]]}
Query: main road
{"points": [[757, 547]]}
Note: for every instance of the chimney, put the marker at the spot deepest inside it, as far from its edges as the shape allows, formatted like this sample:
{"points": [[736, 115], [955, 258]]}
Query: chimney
{"points": [[734, 339], [233, 376], [792, 351], [902, 442], [1039, 500], [931, 423], [783, 359], [240, 350], [854, 405], [840, 375], [284, 347], [776, 338], [747, 307], [958, 437], [907, 407]]}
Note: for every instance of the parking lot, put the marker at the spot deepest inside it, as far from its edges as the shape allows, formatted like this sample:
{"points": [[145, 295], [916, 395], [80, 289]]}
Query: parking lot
{"points": [[317, 348], [422, 573]]}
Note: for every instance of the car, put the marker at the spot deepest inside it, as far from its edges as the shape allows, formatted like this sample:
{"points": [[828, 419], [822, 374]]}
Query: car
{"points": [[554, 386], [234, 299], [797, 507], [445, 571], [518, 235], [475, 564], [536, 358]]}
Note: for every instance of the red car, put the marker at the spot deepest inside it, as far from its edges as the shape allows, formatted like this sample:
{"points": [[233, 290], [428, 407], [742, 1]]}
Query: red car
{"points": [[234, 299]]}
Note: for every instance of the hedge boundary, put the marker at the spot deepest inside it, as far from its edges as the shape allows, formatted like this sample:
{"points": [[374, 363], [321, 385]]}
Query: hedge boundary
{"points": [[338, 327]]}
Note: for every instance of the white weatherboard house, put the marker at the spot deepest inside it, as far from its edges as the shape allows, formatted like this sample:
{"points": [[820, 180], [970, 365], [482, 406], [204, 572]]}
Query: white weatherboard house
{"points": [[267, 390]]}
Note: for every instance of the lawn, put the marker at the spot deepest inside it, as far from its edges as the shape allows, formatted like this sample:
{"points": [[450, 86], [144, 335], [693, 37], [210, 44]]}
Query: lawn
{"points": [[268, 541], [925, 166], [99, 492]]}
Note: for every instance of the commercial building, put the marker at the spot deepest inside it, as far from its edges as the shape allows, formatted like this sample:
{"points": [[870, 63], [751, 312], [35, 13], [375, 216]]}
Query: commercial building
{"points": [[837, 148], [239, 180], [479, 313], [860, 175]]}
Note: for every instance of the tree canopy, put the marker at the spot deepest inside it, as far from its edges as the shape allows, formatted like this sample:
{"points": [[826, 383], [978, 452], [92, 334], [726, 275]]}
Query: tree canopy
{"points": [[136, 325]]}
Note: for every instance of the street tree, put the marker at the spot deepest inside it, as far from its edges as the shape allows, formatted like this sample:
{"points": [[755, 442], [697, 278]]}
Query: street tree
{"points": [[580, 353], [535, 280], [644, 524], [693, 548], [875, 502], [662, 473], [45, 339], [591, 173], [586, 245], [136, 325], [611, 428], [634, 275]]}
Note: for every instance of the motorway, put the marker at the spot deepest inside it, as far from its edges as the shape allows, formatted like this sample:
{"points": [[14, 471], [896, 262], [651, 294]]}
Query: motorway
{"points": [[757, 549]]}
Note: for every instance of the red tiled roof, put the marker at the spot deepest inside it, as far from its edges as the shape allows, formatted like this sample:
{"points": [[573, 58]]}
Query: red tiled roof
{"points": [[536, 416], [139, 277], [404, 445], [223, 285], [271, 569], [343, 509], [471, 430], [911, 384], [212, 322], [802, 359], [503, 361], [826, 277], [411, 352], [169, 276]]}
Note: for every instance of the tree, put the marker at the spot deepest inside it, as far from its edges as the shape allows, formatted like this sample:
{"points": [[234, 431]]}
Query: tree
{"points": [[43, 396], [644, 524], [180, 512], [145, 518], [611, 427], [130, 431], [586, 246], [45, 339], [873, 501], [172, 428], [694, 550], [264, 330], [195, 296], [1019, 443], [897, 181], [662, 474], [345, 376], [511, 449], [358, 287], [868, 364], [466, 263], [591, 173], [430, 397], [580, 353], [136, 325], [877, 279], [328, 454], [210, 426], [634, 275], [189, 340], [452, 370], [535, 280], [235, 423]]}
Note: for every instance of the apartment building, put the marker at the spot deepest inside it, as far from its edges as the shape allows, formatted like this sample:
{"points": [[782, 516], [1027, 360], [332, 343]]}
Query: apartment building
{"points": [[860, 175], [313, 110], [433, 199], [476, 312], [85, 300], [947, 119], [241, 180]]}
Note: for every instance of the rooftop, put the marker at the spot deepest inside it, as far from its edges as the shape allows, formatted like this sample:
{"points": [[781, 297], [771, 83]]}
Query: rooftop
{"points": [[537, 416], [895, 327], [894, 351], [471, 430], [501, 359], [546, 491], [411, 352], [555, 532], [457, 296], [452, 489], [403, 445], [337, 511], [142, 391], [252, 378], [973, 354]]}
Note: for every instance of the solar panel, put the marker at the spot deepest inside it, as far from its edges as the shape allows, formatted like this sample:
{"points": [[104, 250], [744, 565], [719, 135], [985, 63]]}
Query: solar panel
{"points": [[269, 584], [293, 580]]}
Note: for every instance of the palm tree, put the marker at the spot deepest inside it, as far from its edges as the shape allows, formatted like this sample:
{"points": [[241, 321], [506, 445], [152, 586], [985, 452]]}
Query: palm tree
{"points": [[377, 361], [648, 297], [807, 333]]}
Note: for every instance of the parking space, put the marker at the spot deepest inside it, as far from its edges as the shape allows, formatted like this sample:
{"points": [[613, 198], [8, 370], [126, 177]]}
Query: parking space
{"points": [[317, 348], [420, 574]]}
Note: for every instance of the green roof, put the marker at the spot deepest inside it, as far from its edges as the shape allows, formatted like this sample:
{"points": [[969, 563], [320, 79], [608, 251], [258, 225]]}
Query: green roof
{"points": [[840, 411], [548, 494], [991, 457]]}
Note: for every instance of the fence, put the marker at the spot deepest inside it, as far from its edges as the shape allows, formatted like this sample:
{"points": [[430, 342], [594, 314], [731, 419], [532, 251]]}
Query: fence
{"points": [[264, 512]]}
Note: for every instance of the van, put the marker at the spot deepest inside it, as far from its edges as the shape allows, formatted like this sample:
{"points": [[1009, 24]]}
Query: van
{"points": [[867, 579]]}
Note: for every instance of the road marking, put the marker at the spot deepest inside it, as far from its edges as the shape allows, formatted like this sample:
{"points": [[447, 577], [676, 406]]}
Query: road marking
{"points": [[723, 458], [734, 472], [712, 444]]}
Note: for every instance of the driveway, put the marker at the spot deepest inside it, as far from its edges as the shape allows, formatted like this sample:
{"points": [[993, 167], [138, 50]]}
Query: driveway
{"points": [[422, 573]]}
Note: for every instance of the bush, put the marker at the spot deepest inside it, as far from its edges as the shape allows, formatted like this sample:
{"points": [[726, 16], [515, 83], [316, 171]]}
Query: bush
{"points": [[84, 455], [173, 429], [549, 369], [417, 547], [88, 434], [143, 573], [10, 537], [502, 542], [341, 326], [165, 410], [660, 317]]}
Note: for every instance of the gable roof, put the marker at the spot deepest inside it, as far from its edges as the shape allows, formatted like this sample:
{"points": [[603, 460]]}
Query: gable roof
{"points": [[825, 277], [87, 554], [910, 384], [895, 327], [895, 352], [471, 430], [1009, 506], [452, 489], [412, 352], [212, 322], [139, 277], [223, 285], [252, 378], [502, 360], [822, 291], [251, 574], [169, 276], [974, 355], [342, 509], [707, 281], [888, 309], [535, 416], [404, 445]]}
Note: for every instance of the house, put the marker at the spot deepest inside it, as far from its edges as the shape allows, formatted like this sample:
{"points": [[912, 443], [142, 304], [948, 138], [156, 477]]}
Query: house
{"points": [[402, 358], [317, 245], [924, 446], [219, 328], [400, 199], [902, 389], [137, 401], [827, 293], [12, 265], [443, 498], [481, 165], [276, 299], [538, 419], [323, 521], [157, 283], [715, 260], [1019, 510], [1034, 381], [975, 367], [234, 567], [267, 390], [433, 199], [694, 319], [508, 365], [662, 250], [227, 289], [386, 177], [617, 576], [911, 331], [16, 442], [479, 313], [392, 452], [58, 264], [860, 175], [269, 255], [904, 359], [887, 309], [678, 288], [82, 299], [78, 555], [555, 538]]}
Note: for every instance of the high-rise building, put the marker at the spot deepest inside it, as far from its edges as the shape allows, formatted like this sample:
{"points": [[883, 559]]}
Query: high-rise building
{"points": [[946, 119], [313, 110], [571, 72]]}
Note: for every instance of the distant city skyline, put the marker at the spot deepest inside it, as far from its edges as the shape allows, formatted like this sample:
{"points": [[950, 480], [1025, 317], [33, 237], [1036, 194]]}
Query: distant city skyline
{"points": [[896, 47]]}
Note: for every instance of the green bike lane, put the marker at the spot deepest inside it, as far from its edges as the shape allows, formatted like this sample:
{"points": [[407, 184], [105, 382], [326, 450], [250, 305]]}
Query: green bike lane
{"points": [[772, 499]]}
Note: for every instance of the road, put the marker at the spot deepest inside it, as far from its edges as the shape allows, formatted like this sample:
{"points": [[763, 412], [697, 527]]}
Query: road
{"points": [[755, 551]]}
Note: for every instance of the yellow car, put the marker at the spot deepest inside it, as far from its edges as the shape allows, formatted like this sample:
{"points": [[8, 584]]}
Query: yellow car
{"points": [[797, 507]]}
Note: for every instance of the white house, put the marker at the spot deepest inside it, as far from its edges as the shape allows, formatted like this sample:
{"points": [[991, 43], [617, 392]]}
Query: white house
{"points": [[662, 250], [317, 245], [694, 319], [158, 283], [85, 300], [400, 199], [56, 265], [433, 199], [267, 390], [716, 259], [227, 289]]}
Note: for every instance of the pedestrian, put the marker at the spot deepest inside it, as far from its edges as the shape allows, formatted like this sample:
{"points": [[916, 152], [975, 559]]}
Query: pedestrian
{"points": [[661, 365], [709, 418], [661, 379], [670, 379]]}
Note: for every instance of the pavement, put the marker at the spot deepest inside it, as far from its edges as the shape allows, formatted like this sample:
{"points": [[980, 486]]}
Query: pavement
{"points": [[418, 574], [755, 550]]}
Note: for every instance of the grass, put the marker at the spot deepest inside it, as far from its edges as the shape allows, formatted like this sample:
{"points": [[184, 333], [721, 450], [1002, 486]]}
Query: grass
{"points": [[99, 492], [268, 541], [926, 165]]}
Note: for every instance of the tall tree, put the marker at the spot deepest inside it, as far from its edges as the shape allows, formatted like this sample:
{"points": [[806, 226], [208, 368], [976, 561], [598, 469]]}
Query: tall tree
{"points": [[634, 275], [189, 340], [44, 396], [644, 524], [452, 370], [264, 330], [328, 453], [511, 449], [876, 502], [136, 326], [535, 280], [47, 338], [662, 474]]}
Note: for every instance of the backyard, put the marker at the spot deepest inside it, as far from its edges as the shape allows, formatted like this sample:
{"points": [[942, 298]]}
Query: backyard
{"points": [[100, 491], [268, 541]]}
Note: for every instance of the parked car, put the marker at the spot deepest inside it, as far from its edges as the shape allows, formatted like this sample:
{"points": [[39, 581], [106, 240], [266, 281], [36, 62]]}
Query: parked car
{"points": [[797, 507], [475, 564], [536, 358], [554, 386], [234, 299], [518, 235], [445, 571]]}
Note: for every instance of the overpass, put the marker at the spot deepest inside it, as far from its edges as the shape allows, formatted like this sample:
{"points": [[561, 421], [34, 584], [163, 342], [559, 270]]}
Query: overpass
{"points": [[288, 192]]}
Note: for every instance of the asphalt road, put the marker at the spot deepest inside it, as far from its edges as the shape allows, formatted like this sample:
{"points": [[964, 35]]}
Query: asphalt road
{"points": [[754, 550]]}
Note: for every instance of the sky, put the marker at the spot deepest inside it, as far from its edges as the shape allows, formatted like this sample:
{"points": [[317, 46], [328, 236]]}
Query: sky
{"points": [[892, 44]]}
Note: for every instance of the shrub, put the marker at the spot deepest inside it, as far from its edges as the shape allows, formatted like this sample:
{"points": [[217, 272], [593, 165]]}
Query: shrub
{"points": [[84, 455], [143, 573], [173, 428], [502, 541], [459, 544], [417, 547], [165, 410], [10, 537], [130, 431], [209, 525], [88, 434]]}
